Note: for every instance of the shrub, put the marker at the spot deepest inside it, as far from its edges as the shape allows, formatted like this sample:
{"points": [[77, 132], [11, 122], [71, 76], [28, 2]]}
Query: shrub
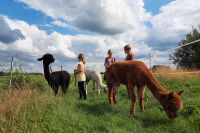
{"points": [[20, 80]]}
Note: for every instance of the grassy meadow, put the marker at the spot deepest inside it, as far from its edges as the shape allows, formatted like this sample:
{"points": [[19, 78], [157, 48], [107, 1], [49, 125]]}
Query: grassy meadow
{"points": [[31, 107]]}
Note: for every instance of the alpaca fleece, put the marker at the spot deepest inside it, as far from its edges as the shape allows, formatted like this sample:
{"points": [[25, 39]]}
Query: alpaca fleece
{"points": [[136, 74], [96, 77], [55, 79]]}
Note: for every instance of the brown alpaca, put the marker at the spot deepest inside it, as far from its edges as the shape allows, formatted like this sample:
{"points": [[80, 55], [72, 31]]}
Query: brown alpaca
{"points": [[136, 74]]}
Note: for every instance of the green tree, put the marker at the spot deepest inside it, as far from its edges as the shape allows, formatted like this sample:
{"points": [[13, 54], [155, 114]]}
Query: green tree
{"points": [[188, 56]]}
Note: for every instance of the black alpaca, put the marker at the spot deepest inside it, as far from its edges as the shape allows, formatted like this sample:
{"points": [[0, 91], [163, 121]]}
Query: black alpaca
{"points": [[55, 79]]}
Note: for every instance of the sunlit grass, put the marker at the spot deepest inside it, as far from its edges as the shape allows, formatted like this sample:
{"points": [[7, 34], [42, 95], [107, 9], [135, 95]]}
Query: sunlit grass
{"points": [[33, 110]]}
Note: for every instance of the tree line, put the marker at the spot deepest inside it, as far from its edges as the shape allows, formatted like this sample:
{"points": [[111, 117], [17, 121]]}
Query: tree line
{"points": [[188, 56]]}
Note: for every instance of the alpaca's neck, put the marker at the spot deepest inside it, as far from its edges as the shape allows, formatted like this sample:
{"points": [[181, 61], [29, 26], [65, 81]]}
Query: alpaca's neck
{"points": [[157, 90], [101, 85], [99, 81], [46, 71]]}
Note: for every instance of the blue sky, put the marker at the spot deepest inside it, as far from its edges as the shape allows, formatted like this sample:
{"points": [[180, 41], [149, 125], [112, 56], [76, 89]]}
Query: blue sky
{"points": [[66, 28], [19, 10], [153, 6]]}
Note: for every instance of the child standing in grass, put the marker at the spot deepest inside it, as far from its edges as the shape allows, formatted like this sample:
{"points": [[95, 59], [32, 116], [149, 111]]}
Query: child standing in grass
{"points": [[129, 57], [108, 61], [81, 77]]}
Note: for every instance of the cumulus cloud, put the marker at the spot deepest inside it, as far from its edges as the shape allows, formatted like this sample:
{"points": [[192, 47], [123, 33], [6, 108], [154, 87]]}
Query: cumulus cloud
{"points": [[65, 48], [112, 24], [173, 22], [125, 19], [101, 16], [59, 23], [36, 43], [8, 35]]}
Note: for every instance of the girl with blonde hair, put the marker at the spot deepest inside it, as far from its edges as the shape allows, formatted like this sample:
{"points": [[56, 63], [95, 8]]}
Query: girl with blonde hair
{"points": [[129, 57], [81, 77]]}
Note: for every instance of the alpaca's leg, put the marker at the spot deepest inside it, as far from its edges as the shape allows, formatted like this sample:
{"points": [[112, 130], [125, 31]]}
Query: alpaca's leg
{"points": [[127, 91], [86, 89], [115, 90], [86, 84], [98, 88], [114, 97], [93, 86], [110, 95], [56, 90], [133, 99], [141, 97], [67, 85], [64, 89]]}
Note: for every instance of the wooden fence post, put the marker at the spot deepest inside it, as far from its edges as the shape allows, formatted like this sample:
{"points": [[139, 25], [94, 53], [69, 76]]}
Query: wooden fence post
{"points": [[11, 67]]}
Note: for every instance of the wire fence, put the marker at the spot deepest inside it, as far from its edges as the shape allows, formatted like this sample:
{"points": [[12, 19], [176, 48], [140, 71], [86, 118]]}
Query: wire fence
{"points": [[163, 58], [12, 64]]}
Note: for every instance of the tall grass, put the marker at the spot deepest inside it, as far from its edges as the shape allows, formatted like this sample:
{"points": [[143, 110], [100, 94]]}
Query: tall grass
{"points": [[31, 110], [22, 81]]}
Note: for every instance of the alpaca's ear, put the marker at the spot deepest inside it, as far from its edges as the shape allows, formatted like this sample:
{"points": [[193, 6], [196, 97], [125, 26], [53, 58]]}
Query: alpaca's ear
{"points": [[40, 59], [179, 92]]}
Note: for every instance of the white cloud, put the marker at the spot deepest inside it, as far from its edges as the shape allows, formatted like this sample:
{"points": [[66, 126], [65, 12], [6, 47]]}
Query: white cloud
{"points": [[59, 23], [65, 48], [174, 21], [36, 43], [8, 35], [100, 16], [125, 18], [112, 24]]}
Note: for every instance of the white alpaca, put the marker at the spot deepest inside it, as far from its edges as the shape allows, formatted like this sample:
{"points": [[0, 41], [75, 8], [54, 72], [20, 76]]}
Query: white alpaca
{"points": [[96, 78]]}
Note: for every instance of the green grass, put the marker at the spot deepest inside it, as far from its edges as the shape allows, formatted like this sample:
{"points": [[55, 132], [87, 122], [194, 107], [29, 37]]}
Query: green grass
{"points": [[48, 113]]}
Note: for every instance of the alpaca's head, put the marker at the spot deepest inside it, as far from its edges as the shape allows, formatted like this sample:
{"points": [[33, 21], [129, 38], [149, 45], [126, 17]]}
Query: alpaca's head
{"points": [[105, 89], [172, 103], [47, 58]]}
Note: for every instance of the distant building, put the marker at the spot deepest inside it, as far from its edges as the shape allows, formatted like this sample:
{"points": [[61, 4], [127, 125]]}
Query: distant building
{"points": [[160, 68]]}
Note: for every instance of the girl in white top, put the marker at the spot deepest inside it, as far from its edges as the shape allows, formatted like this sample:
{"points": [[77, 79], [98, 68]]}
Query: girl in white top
{"points": [[80, 75]]}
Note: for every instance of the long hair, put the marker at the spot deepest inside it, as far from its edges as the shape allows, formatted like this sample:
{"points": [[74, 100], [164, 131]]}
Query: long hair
{"points": [[82, 58]]}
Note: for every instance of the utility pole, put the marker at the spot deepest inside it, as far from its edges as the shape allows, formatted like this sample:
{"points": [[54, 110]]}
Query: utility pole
{"points": [[11, 67], [150, 60]]}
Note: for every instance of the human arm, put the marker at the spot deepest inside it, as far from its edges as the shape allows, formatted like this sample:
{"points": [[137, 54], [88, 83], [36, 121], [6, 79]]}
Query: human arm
{"points": [[114, 60], [80, 68], [106, 63]]}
